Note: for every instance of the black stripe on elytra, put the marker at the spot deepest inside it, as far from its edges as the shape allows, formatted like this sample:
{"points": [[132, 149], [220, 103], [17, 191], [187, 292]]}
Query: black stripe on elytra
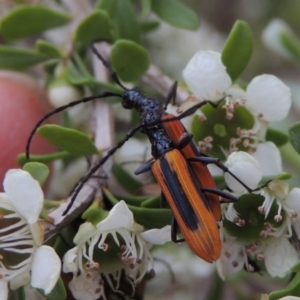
{"points": [[179, 197]]}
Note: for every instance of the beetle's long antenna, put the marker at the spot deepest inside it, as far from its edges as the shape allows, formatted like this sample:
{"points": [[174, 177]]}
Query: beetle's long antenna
{"points": [[112, 72], [99, 164], [61, 108]]}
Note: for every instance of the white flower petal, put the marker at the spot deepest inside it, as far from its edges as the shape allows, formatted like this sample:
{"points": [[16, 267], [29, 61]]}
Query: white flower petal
{"points": [[245, 167], [63, 94], [280, 256], [157, 236], [290, 298], [21, 279], [268, 97], [25, 193], [45, 269], [86, 230], [272, 36], [231, 260], [119, 217], [293, 200], [87, 288], [206, 75], [3, 290], [269, 158], [69, 264]]}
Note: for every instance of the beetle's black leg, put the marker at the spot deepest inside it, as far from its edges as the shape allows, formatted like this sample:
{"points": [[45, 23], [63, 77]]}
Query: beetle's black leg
{"points": [[171, 97], [174, 231], [220, 193]]}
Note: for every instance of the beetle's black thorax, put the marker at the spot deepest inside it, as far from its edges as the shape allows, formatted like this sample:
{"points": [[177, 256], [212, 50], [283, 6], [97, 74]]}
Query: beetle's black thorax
{"points": [[151, 110]]}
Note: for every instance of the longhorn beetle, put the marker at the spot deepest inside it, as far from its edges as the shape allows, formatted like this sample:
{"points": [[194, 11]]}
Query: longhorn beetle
{"points": [[181, 171]]}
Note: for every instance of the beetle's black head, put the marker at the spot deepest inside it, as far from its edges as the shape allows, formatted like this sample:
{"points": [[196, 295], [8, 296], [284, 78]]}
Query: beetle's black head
{"points": [[130, 98]]}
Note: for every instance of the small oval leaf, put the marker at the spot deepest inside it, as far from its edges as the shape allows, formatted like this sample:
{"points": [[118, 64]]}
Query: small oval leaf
{"points": [[292, 289], [146, 7], [277, 137], [58, 293], [38, 171], [27, 20], [18, 59], [176, 13], [48, 50], [149, 25], [44, 159], [127, 181], [71, 140], [291, 44], [294, 132], [238, 49], [129, 60], [95, 27], [126, 23], [283, 176]]}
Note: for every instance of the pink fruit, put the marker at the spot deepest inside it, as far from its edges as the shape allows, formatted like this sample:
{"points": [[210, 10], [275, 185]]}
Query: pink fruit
{"points": [[22, 103]]}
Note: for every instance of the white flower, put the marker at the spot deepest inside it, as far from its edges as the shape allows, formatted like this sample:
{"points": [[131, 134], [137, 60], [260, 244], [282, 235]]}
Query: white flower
{"points": [[278, 192], [206, 75], [246, 168], [269, 158], [268, 98], [280, 256], [272, 37], [121, 241], [22, 236]]}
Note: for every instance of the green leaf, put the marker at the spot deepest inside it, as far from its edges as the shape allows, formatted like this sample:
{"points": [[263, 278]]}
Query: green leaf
{"points": [[94, 213], [124, 18], [126, 23], [292, 289], [153, 202], [58, 293], [132, 199], [127, 181], [282, 176], [146, 7], [148, 217], [129, 60], [19, 59], [38, 171], [296, 267], [108, 5], [149, 25], [95, 27], [294, 132], [277, 137], [238, 49], [176, 13], [48, 50], [291, 44], [27, 20], [45, 158], [71, 140]]}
